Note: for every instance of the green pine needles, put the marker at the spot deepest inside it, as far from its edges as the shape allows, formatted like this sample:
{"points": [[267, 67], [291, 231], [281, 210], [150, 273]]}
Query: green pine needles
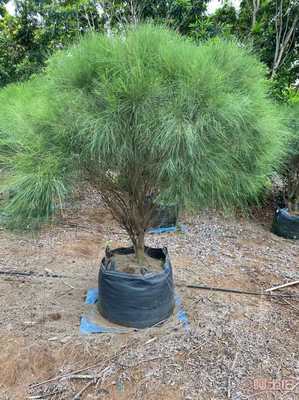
{"points": [[147, 113]]}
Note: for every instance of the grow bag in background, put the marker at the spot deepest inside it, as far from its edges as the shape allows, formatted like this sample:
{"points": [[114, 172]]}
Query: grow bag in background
{"points": [[285, 225], [164, 216], [138, 301]]}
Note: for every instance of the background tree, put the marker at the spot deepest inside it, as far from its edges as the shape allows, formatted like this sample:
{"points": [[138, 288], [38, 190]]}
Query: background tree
{"points": [[290, 172], [270, 27], [286, 24], [148, 115], [39, 28], [274, 37], [223, 22], [28, 38], [176, 14]]}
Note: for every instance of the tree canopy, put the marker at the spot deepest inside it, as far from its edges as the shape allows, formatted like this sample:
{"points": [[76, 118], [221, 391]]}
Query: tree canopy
{"points": [[148, 114]]}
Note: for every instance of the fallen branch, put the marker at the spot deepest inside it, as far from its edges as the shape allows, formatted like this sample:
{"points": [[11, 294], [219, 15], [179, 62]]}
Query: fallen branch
{"points": [[44, 396], [143, 361], [81, 376], [16, 273], [67, 284], [291, 305], [282, 286], [72, 373], [67, 375], [78, 395], [38, 275], [239, 291], [230, 376], [32, 273]]}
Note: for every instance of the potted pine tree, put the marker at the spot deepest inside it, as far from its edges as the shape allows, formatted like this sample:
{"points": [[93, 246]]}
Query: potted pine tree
{"points": [[146, 113]]}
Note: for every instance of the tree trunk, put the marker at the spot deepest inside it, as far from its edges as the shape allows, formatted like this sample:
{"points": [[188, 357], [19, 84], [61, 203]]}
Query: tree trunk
{"points": [[284, 37], [139, 247], [293, 191], [293, 205], [255, 10]]}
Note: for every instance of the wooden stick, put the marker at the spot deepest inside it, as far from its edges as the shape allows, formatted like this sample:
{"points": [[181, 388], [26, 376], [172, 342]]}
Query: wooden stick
{"points": [[77, 396], [18, 273], [32, 273], [58, 377], [230, 376], [239, 291], [67, 284], [282, 286], [291, 305], [81, 376], [65, 376], [71, 373], [43, 396]]}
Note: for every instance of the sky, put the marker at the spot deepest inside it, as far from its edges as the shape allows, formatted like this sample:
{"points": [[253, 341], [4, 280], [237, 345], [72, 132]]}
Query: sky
{"points": [[10, 7], [212, 6]]}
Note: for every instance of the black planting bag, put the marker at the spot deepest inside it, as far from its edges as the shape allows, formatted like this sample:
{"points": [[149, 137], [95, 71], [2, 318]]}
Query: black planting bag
{"points": [[137, 301], [164, 216], [285, 225]]}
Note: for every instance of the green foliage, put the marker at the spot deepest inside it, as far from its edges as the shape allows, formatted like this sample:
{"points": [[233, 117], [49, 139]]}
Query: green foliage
{"points": [[151, 113], [291, 166], [37, 30], [176, 14], [292, 96], [31, 157], [263, 37], [259, 31], [292, 110]]}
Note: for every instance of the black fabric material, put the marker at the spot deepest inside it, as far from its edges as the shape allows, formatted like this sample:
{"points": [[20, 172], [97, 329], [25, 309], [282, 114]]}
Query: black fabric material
{"points": [[164, 216], [285, 225], [137, 301]]}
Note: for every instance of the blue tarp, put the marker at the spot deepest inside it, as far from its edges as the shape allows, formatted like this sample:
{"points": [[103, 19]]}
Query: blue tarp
{"points": [[167, 229], [162, 230], [87, 326]]}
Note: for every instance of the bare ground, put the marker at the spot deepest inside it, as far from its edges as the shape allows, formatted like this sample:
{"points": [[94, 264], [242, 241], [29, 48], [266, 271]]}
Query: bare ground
{"points": [[236, 344]]}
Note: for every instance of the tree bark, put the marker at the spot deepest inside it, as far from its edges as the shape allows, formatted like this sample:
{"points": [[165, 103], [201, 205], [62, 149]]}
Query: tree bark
{"points": [[139, 247], [293, 191], [256, 7], [284, 35]]}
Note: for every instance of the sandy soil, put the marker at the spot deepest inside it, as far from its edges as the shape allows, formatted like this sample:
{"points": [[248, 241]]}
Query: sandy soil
{"points": [[130, 264], [236, 343]]}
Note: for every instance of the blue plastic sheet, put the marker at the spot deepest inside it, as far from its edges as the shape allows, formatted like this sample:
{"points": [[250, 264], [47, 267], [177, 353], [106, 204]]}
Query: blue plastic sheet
{"points": [[166, 229], [161, 230], [88, 327], [181, 313], [92, 296]]}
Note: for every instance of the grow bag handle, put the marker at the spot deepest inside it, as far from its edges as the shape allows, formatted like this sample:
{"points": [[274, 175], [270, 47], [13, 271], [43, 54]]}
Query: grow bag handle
{"points": [[165, 252], [108, 262]]}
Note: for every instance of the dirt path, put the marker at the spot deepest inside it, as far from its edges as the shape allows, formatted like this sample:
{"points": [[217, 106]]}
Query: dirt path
{"points": [[234, 343]]}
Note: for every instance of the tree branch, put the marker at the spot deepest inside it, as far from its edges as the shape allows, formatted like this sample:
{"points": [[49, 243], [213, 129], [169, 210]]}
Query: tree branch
{"points": [[283, 36]]}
